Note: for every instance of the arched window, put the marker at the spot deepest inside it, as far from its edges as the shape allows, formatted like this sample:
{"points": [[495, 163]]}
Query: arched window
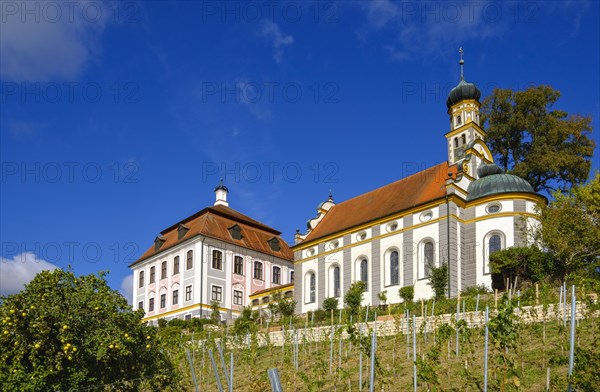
{"points": [[428, 258], [336, 283], [364, 273], [217, 259], [175, 265], [163, 270], [394, 268], [310, 287], [494, 242], [258, 270], [463, 139], [152, 274], [458, 120], [455, 142], [190, 260], [141, 279], [276, 275]]}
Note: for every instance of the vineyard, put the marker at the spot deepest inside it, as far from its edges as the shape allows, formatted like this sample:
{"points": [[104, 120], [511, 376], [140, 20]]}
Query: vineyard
{"points": [[528, 349]]}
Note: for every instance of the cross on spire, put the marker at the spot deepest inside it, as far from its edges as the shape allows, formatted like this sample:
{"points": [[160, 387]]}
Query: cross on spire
{"points": [[461, 62]]}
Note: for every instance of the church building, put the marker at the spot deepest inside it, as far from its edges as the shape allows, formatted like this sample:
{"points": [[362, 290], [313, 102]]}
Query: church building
{"points": [[456, 212], [217, 254]]}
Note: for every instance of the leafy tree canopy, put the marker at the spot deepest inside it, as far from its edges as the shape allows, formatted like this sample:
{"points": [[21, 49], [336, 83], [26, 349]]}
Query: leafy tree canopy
{"points": [[64, 332], [570, 228], [549, 148], [526, 263]]}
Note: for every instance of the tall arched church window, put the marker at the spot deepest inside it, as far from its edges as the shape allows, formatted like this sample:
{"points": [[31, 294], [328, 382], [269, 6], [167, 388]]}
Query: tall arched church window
{"points": [[394, 268], [364, 273]]}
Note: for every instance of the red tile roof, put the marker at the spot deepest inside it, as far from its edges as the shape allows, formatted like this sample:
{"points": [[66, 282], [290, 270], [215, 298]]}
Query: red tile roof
{"points": [[214, 222], [417, 189]]}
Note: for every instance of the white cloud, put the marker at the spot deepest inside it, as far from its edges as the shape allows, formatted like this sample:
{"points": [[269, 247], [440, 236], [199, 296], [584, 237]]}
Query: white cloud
{"points": [[421, 30], [17, 272], [127, 288], [40, 41], [271, 32]]}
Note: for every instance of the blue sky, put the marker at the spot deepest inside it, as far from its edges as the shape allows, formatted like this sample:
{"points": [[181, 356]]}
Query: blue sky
{"points": [[118, 118]]}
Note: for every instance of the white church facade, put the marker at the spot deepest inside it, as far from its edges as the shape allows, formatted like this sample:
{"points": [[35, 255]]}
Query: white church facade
{"points": [[458, 212]]}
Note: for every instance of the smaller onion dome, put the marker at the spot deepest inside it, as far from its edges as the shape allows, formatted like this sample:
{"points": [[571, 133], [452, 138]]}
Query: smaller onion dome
{"points": [[492, 181]]}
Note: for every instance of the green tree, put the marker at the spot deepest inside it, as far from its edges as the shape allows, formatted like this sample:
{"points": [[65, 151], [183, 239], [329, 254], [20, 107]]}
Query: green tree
{"points": [[549, 148], [407, 293], [570, 228], [354, 297], [527, 263], [287, 307], [438, 280], [64, 332], [330, 304], [215, 312]]}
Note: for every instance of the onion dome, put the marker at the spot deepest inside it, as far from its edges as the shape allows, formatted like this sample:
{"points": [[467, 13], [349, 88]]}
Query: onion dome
{"points": [[492, 181], [464, 90]]}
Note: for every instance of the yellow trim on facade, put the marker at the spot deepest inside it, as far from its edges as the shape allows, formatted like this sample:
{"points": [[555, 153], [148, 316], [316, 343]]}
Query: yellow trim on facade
{"points": [[453, 198], [463, 127], [276, 289], [191, 307], [461, 102]]}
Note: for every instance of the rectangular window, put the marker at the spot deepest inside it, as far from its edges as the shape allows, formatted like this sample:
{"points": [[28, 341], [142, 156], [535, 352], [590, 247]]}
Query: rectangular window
{"points": [[152, 274], [217, 293], [276, 275], [163, 270], [190, 260], [151, 305], [175, 297], [258, 270], [141, 305], [217, 260], [176, 265], [188, 293], [141, 283], [238, 297], [188, 316], [163, 300], [238, 265], [291, 276]]}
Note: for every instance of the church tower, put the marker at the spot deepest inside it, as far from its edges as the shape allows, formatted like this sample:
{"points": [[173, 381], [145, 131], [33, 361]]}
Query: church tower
{"points": [[463, 108]]}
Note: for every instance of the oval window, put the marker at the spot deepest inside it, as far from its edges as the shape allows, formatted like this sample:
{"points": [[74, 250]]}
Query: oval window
{"points": [[334, 245], [310, 252], [361, 236], [426, 216], [493, 208], [392, 227]]}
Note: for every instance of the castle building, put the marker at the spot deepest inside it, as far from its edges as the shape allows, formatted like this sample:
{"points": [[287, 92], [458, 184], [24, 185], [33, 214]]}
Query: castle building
{"points": [[457, 212], [217, 254]]}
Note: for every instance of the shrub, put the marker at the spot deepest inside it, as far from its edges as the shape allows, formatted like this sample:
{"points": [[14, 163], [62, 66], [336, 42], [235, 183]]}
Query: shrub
{"points": [[330, 304], [438, 280], [354, 296], [407, 293]]}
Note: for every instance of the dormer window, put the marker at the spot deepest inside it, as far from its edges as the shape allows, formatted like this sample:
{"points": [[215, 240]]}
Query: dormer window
{"points": [[236, 232], [182, 231], [274, 244], [158, 242]]}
